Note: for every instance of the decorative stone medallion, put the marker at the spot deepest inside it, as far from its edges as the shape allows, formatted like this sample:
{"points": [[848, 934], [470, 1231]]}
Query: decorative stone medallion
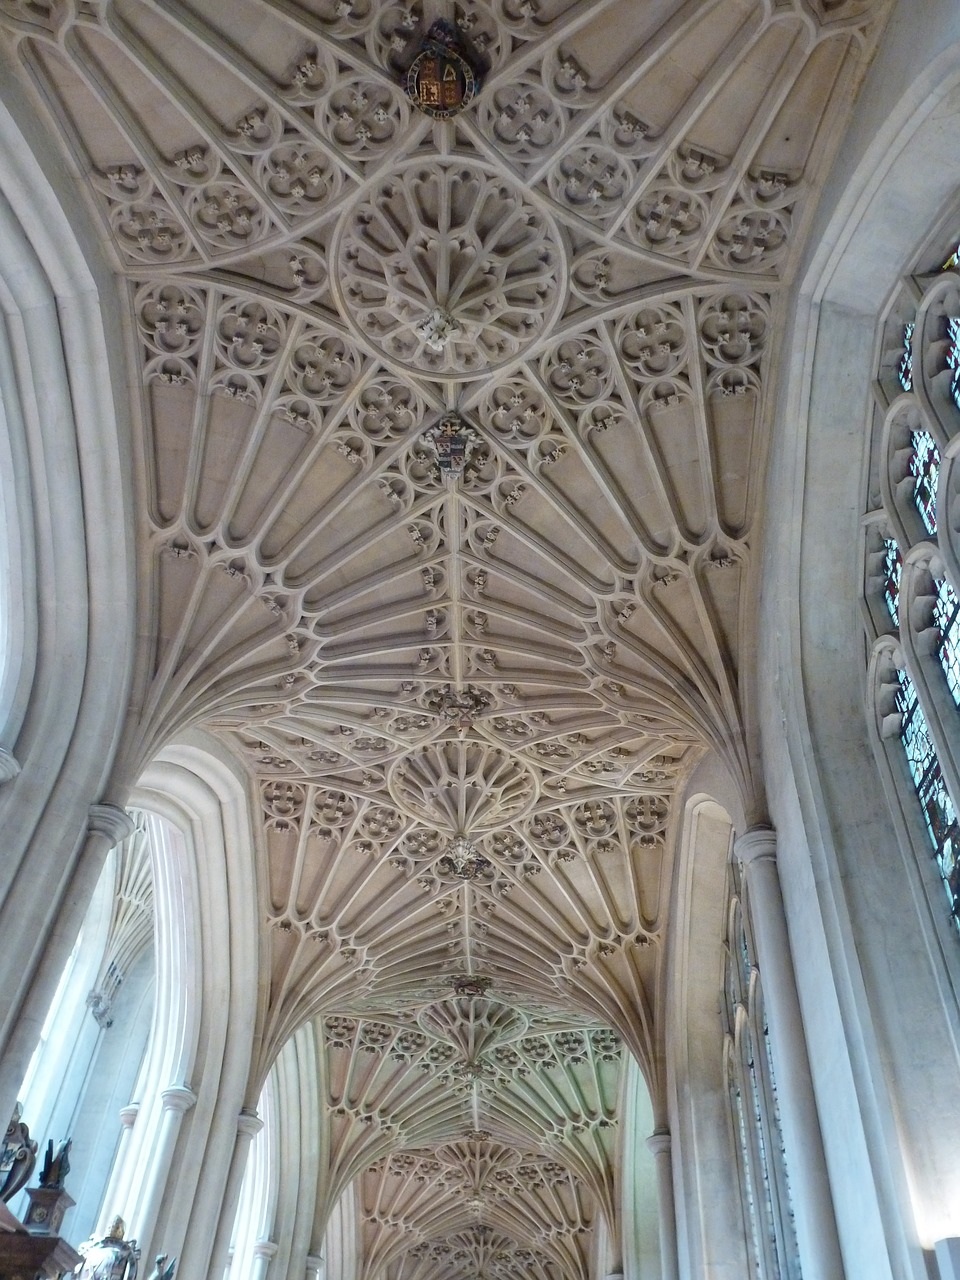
{"points": [[440, 81], [470, 985], [464, 861], [457, 706], [448, 267]]}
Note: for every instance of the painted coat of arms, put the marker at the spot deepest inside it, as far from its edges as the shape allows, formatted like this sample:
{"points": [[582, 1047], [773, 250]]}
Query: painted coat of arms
{"points": [[441, 81]]}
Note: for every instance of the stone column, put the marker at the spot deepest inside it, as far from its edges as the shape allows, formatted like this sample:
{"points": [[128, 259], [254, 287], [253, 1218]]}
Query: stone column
{"points": [[263, 1254], [248, 1125], [659, 1144], [948, 1258], [176, 1101], [803, 1143], [314, 1267], [128, 1118]]}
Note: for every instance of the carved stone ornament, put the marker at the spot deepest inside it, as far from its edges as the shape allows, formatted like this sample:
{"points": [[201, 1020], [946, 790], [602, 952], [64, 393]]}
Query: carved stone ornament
{"points": [[18, 1155], [468, 984], [464, 861], [458, 706], [438, 329], [448, 267], [454, 397], [441, 81], [9, 765]]}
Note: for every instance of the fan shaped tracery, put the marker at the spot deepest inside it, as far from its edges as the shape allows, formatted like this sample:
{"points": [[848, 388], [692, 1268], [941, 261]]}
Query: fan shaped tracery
{"points": [[451, 240], [469, 694], [529, 1150]]}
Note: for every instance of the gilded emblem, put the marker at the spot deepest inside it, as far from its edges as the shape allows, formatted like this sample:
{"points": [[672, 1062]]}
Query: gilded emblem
{"points": [[441, 80]]}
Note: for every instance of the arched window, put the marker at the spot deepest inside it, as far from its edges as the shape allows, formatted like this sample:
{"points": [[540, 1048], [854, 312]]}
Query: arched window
{"points": [[93, 1039], [752, 1090], [912, 612]]}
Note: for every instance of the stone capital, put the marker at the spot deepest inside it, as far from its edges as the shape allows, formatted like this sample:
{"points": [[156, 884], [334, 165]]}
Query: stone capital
{"points": [[759, 844], [264, 1249], [111, 821], [659, 1142], [249, 1123], [9, 765], [128, 1115], [948, 1257], [178, 1098]]}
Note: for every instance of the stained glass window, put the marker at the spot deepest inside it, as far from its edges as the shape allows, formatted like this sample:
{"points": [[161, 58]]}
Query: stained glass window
{"points": [[736, 1098], [939, 813], [777, 1127], [905, 367], [763, 1162], [953, 356], [931, 422], [892, 574], [925, 469], [753, 1097], [946, 615]]}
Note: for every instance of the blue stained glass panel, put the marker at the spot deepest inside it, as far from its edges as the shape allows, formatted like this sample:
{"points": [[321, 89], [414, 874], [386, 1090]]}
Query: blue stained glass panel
{"points": [[892, 573], [946, 614], [939, 814], [925, 469], [953, 356], [778, 1130], [745, 963]]}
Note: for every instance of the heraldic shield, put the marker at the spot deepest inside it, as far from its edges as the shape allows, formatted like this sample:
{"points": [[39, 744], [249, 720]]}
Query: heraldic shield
{"points": [[440, 80]]}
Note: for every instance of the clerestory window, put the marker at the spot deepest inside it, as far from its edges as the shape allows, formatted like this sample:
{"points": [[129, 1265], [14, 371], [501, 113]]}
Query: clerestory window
{"points": [[912, 567]]}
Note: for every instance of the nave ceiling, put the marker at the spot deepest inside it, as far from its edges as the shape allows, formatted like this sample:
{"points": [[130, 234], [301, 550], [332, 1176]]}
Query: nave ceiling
{"points": [[470, 687]]}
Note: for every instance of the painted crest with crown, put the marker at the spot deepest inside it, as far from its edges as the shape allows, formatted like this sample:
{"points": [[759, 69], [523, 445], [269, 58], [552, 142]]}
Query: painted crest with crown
{"points": [[441, 80]]}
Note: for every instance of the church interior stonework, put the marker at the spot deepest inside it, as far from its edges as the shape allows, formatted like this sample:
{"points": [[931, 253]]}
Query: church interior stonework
{"points": [[480, 639]]}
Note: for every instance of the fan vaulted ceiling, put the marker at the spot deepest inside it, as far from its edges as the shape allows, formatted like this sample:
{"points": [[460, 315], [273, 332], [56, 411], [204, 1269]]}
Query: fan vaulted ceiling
{"points": [[468, 695]]}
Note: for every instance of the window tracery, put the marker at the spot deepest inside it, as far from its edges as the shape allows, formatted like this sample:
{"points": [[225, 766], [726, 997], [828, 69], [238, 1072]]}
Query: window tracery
{"points": [[925, 469], [946, 616], [915, 632], [892, 576], [905, 367]]}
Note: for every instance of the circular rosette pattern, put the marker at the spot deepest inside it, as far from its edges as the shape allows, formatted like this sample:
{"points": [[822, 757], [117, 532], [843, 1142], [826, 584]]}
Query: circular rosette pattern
{"points": [[449, 268]]}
